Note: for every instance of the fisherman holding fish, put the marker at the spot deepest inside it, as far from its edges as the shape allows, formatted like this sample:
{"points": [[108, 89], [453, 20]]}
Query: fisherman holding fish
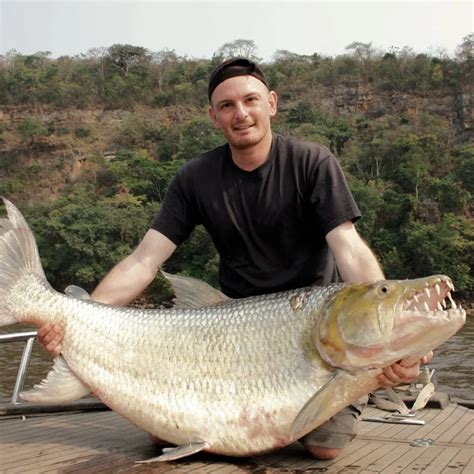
{"points": [[279, 212]]}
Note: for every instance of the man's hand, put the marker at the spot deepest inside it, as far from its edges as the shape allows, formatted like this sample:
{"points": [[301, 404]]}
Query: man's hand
{"points": [[51, 337], [403, 371]]}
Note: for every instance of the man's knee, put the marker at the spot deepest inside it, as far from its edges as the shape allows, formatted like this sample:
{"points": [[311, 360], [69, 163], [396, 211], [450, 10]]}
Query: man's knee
{"points": [[322, 453], [328, 440]]}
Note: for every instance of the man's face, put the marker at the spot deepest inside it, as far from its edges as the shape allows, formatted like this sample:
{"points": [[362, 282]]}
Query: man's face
{"points": [[242, 108]]}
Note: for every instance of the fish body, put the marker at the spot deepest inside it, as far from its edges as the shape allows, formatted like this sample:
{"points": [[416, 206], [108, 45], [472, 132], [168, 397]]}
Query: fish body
{"points": [[235, 377]]}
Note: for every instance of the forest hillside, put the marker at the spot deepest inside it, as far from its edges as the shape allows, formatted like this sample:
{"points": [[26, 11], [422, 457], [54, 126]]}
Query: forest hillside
{"points": [[89, 144]]}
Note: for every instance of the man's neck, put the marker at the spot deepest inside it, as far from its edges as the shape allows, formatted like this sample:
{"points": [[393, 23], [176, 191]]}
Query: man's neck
{"points": [[251, 158]]}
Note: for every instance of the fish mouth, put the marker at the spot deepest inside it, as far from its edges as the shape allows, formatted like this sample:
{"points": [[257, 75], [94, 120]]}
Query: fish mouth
{"points": [[395, 319], [429, 315], [432, 300]]}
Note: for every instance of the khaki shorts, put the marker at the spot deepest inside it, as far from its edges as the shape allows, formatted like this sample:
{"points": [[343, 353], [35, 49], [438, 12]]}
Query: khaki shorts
{"points": [[339, 430]]}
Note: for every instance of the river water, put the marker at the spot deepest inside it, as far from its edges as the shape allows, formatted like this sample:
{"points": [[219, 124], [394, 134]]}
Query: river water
{"points": [[453, 361]]}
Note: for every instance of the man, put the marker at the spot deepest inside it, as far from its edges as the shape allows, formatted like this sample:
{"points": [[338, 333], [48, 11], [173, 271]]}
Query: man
{"points": [[278, 210]]}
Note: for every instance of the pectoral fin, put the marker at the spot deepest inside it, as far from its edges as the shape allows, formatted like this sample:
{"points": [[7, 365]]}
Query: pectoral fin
{"points": [[170, 454], [60, 385], [313, 413], [338, 392]]}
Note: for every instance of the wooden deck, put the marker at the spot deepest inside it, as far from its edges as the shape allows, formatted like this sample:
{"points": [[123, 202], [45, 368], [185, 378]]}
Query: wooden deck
{"points": [[101, 441]]}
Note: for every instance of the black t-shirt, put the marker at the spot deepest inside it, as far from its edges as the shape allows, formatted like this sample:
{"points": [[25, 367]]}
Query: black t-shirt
{"points": [[269, 224]]}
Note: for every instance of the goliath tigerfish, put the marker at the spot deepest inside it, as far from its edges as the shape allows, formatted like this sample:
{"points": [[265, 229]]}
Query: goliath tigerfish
{"points": [[234, 377]]}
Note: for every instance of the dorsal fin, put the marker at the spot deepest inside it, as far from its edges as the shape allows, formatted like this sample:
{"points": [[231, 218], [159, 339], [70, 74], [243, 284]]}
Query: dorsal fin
{"points": [[193, 293], [77, 292]]}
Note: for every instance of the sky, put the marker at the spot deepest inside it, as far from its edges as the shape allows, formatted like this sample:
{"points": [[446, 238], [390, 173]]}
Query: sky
{"points": [[197, 28]]}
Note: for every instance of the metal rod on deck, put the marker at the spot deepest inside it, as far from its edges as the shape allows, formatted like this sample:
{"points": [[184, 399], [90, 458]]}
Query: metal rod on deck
{"points": [[20, 378], [29, 337], [17, 336]]}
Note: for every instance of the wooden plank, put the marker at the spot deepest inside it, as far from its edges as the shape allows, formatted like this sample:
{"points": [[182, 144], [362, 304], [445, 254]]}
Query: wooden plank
{"points": [[382, 460], [424, 460], [442, 417], [466, 435], [105, 420], [462, 429], [43, 460], [443, 460], [469, 467], [83, 443], [77, 435], [345, 459], [231, 469], [112, 463], [459, 461], [87, 440], [405, 432], [452, 421]]}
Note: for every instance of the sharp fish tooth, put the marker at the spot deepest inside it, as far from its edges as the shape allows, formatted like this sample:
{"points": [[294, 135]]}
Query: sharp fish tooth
{"points": [[438, 289], [443, 304], [439, 306], [453, 304], [427, 292], [416, 298], [425, 305]]}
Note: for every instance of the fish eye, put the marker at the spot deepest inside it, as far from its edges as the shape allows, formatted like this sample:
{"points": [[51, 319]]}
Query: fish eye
{"points": [[384, 289]]}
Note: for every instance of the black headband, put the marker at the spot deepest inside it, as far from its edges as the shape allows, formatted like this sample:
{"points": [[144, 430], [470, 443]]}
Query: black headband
{"points": [[231, 68]]}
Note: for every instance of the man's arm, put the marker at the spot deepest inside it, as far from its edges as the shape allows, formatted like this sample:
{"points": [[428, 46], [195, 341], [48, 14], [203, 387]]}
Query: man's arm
{"points": [[357, 263], [122, 284], [354, 259], [134, 273]]}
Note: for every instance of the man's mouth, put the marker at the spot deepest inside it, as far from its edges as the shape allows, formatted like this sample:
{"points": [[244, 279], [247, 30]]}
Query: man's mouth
{"points": [[240, 128]]}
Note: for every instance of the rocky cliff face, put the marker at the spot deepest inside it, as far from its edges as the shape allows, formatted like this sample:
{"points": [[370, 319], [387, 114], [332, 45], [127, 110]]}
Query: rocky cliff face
{"points": [[360, 98]]}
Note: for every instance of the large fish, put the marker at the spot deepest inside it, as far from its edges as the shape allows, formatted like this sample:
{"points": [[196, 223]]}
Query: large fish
{"points": [[235, 377]]}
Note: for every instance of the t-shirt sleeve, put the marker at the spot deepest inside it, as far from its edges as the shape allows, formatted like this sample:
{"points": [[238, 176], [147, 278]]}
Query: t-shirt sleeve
{"points": [[332, 202], [177, 217]]}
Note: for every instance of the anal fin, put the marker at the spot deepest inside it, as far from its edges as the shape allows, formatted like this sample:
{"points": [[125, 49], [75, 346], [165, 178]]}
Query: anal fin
{"points": [[170, 454], [60, 385]]}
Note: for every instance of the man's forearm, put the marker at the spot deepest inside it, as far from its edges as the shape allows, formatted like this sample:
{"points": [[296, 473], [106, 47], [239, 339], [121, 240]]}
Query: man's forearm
{"points": [[123, 283], [360, 265], [354, 259]]}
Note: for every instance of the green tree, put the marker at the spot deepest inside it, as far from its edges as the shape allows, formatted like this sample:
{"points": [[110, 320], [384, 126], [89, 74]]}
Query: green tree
{"points": [[80, 238], [31, 130], [239, 47], [446, 248]]}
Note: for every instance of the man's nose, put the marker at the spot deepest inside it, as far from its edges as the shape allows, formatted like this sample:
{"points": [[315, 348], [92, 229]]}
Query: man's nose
{"points": [[241, 111]]}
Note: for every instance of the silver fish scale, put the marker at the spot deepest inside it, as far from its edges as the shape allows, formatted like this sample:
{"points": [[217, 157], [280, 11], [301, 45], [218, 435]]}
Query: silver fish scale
{"points": [[233, 374]]}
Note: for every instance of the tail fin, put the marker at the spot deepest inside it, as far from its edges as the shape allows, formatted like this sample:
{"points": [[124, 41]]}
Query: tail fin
{"points": [[18, 256]]}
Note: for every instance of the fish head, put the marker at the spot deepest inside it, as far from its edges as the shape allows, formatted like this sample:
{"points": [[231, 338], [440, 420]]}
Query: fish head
{"points": [[375, 324]]}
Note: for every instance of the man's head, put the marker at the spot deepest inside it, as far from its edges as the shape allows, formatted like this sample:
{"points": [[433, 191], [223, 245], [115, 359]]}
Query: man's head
{"points": [[241, 104], [232, 68]]}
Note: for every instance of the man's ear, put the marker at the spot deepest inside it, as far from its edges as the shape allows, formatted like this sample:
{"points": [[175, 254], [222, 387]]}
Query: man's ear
{"points": [[273, 102], [213, 117]]}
